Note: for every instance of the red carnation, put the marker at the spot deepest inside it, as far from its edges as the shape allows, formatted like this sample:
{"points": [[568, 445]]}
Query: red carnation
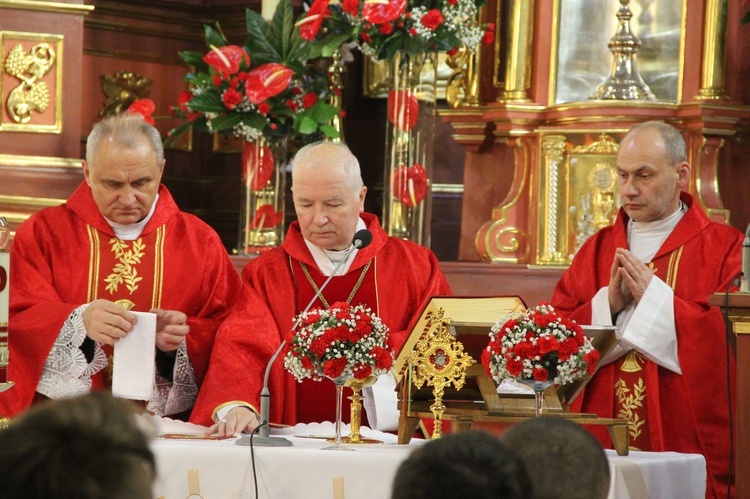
{"points": [[362, 371], [306, 362], [383, 358], [432, 19], [386, 28], [309, 100], [334, 368], [263, 108], [182, 100], [540, 374], [231, 98], [318, 347], [514, 366], [341, 305], [591, 360]]}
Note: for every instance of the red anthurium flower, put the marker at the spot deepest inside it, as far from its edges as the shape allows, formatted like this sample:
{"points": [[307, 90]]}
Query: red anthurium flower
{"points": [[267, 81], [266, 218], [144, 107], [226, 60], [383, 11], [351, 7], [403, 109], [432, 19], [258, 165], [410, 184], [310, 24], [183, 99]]}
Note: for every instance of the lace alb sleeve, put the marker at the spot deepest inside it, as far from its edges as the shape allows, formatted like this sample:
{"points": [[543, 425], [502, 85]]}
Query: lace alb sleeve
{"points": [[66, 372], [178, 396]]}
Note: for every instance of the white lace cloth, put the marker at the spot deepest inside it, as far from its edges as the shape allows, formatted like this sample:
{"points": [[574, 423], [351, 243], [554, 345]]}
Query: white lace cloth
{"points": [[66, 372]]}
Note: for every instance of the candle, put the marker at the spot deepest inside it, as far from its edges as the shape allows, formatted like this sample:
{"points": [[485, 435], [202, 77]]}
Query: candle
{"points": [[268, 7]]}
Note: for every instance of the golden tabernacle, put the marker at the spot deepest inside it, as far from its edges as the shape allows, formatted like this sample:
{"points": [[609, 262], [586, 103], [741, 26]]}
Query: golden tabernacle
{"points": [[440, 375]]}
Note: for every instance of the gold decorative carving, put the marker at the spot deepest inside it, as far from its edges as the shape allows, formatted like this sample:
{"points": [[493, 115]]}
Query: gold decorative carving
{"points": [[122, 89], [439, 360], [519, 53], [605, 145], [553, 148], [35, 62], [37, 5], [462, 87]]}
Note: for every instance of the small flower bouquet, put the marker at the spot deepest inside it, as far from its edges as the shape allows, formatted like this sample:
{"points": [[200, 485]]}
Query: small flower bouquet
{"points": [[382, 27], [341, 341], [264, 87], [539, 345]]}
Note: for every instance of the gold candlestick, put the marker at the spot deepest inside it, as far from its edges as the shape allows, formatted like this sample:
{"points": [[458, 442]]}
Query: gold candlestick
{"points": [[355, 415]]}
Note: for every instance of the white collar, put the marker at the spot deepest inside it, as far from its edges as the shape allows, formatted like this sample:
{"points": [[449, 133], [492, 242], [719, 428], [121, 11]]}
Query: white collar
{"points": [[130, 232], [326, 260]]}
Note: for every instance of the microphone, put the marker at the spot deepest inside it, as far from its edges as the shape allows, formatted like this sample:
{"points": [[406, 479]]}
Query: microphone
{"points": [[361, 240], [745, 286]]}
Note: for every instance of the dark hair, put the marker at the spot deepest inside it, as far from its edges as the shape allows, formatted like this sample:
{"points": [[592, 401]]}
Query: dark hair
{"points": [[563, 459], [89, 447], [468, 464]]}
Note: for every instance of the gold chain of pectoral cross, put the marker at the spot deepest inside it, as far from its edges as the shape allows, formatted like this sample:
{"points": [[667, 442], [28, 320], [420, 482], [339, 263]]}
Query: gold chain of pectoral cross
{"points": [[351, 295]]}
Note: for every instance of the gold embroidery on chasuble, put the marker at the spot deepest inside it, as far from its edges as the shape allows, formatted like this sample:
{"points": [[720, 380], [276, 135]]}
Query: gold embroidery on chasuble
{"points": [[630, 385], [129, 273]]}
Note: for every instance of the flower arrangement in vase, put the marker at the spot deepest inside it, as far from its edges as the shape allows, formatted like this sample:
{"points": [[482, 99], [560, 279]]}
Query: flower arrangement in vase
{"points": [[341, 343], [538, 348]]}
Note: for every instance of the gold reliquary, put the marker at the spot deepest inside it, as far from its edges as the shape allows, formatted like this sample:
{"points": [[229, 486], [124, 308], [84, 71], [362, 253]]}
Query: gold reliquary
{"points": [[440, 376]]}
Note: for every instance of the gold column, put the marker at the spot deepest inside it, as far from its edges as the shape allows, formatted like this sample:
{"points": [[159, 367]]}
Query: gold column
{"points": [[553, 148], [712, 74], [520, 42]]}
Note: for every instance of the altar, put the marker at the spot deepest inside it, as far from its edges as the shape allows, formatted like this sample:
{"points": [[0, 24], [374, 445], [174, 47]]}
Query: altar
{"points": [[220, 469]]}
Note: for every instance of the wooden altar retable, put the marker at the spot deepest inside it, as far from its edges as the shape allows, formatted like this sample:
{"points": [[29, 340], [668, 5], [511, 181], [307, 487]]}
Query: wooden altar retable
{"points": [[738, 310], [470, 320]]}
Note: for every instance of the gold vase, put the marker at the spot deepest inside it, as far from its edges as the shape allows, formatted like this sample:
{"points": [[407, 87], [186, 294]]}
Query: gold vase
{"points": [[263, 194], [410, 134], [355, 412]]}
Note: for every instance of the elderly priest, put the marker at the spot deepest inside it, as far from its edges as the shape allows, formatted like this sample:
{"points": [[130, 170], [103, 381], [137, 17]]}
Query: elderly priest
{"points": [[119, 246], [392, 276]]}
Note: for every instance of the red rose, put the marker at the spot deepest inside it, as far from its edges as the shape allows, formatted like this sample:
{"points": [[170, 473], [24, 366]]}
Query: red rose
{"points": [[432, 19], [227, 60], [267, 81], [309, 100], [334, 368]]}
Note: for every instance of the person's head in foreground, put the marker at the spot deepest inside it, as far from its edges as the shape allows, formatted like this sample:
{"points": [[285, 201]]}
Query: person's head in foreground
{"points": [[88, 447], [564, 461], [123, 167], [652, 169], [328, 194], [469, 464]]}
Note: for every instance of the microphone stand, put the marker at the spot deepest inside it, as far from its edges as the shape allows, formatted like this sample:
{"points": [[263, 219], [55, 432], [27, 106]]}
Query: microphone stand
{"points": [[264, 438], [745, 284]]}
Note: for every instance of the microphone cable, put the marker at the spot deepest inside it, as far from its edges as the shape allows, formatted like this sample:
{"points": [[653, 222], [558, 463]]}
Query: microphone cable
{"points": [[252, 455], [728, 332]]}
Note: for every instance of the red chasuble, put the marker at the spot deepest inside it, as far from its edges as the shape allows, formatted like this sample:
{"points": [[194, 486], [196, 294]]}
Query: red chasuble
{"points": [[68, 255], [400, 278], [688, 412]]}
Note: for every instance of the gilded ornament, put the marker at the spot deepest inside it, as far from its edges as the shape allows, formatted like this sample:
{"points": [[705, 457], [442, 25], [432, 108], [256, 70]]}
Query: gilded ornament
{"points": [[439, 360], [125, 272], [32, 94], [122, 89], [605, 145]]}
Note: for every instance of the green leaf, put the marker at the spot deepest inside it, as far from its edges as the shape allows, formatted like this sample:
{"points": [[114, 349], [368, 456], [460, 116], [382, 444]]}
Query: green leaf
{"points": [[194, 59], [176, 133], [322, 112], [225, 122], [215, 37], [333, 44], [306, 126], [329, 131], [283, 25], [208, 102], [258, 45]]}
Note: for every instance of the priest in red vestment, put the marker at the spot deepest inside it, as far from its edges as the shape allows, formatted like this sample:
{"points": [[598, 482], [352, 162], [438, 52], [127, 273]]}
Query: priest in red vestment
{"points": [[118, 245], [392, 276], [651, 274]]}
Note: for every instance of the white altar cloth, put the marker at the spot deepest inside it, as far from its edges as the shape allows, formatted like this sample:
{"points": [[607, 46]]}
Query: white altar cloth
{"points": [[223, 469]]}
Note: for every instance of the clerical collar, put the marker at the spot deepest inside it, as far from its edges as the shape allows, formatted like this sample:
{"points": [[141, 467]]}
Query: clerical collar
{"points": [[130, 232], [326, 260], [645, 238]]}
